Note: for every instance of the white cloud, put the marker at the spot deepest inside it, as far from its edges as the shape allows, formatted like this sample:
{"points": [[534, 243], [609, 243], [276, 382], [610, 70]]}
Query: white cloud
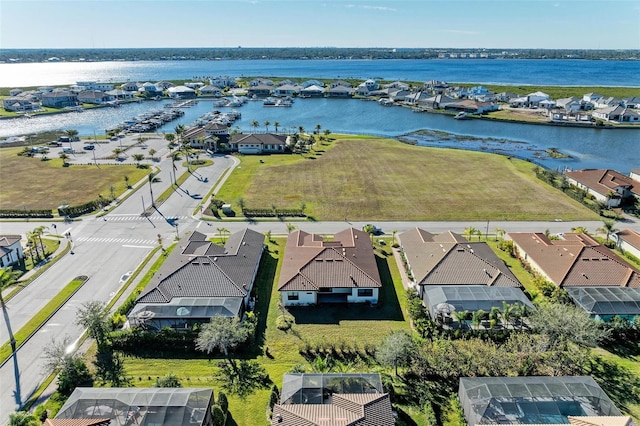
{"points": [[369, 7]]}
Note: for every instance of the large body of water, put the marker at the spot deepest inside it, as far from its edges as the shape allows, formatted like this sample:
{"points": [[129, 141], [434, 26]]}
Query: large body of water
{"points": [[508, 71], [590, 148]]}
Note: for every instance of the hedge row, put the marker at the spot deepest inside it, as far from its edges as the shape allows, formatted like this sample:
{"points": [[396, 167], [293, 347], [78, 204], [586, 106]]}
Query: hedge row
{"points": [[273, 213], [86, 208], [21, 213]]}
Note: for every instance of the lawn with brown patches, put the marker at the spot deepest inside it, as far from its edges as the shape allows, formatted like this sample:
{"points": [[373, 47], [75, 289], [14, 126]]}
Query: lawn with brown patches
{"points": [[382, 179], [35, 184]]}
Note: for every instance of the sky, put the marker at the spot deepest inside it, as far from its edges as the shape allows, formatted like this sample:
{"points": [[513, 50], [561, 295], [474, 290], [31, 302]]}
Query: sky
{"points": [[548, 24]]}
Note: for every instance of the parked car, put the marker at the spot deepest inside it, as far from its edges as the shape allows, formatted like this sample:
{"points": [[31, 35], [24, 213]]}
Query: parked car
{"points": [[375, 230]]}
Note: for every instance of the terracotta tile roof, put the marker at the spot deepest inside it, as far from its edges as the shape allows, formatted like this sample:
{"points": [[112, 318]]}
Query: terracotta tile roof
{"points": [[311, 263], [259, 138], [604, 180], [630, 237], [577, 260], [450, 259], [344, 410]]}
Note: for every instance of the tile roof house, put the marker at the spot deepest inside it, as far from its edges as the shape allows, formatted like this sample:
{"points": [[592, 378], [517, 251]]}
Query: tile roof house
{"points": [[605, 185], [201, 281], [94, 97], [59, 99], [343, 270], [333, 399], [447, 268], [574, 261], [259, 143], [629, 241], [137, 406], [10, 250]]}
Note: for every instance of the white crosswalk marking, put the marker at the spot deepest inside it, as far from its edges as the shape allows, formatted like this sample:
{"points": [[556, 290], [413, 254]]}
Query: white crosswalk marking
{"points": [[115, 240], [136, 218]]}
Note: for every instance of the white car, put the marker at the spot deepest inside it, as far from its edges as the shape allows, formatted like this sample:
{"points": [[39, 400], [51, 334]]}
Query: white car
{"points": [[125, 277]]}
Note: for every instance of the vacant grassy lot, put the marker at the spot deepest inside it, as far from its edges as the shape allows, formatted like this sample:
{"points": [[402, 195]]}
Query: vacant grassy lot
{"points": [[382, 179], [37, 184]]}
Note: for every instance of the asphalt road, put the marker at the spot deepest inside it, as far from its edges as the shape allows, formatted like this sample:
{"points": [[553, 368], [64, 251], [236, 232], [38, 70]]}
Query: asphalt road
{"points": [[105, 248]]}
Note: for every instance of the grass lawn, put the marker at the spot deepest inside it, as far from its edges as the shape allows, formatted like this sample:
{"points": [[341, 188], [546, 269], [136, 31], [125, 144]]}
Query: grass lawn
{"points": [[355, 325], [35, 184], [381, 179], [632, 365]]}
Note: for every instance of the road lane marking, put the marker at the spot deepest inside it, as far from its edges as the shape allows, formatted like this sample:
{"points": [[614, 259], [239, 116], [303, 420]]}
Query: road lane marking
{"points": [[145, 247]]}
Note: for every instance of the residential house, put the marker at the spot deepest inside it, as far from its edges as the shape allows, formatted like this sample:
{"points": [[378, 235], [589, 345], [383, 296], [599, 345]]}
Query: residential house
{"points": [[346, 399], [417, 98], [592, 98], [537, 400], [15, 92], [181, 92], [617, 113], [260, 82], [435, 86], [259, 143], [59, 99], [575, 260], [18, 104], [309, 83], [210, 90], [343, 270], [337, 83], [195, 136], [448, 270], [195, 85], [635, 174], [571, 104], [632, 102], [340, 92], [200, 281], [506, 96], [120, 94], [608, 101], [629, 241], [259, 90], [547, 104], [94, 97], [436, 102], [85, 86], [137, 406], [149, 89], [472, 106], [397, 85], [130, 86], [398, 95], [608, 186], [286, 90], [164, 85], [222, 81], [313, 91], [11, 251]]}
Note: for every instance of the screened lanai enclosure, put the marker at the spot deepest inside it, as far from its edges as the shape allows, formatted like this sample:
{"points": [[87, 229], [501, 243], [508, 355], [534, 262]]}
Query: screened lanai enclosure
{"points": [[604, 303], [318, 388], [141, 406], [532, 400]]}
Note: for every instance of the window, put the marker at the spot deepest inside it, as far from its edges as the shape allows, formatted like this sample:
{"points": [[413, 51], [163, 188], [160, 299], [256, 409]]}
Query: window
{"points": [[293, 296], [365, 292]]}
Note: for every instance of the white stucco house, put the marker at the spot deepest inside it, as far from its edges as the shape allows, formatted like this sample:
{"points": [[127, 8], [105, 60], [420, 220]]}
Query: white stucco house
{"points": [[10, 250]]}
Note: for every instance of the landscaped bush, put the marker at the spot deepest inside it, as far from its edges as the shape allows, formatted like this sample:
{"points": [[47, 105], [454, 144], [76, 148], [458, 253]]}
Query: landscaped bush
{"points": [[21, 213], [137, 341], [86, 208], [273, 212]]}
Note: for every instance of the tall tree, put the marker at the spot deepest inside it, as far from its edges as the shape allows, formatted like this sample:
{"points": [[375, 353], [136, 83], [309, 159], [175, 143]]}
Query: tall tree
{"points": [[266, 126], [469, 232], [276, 125], [8, 278], [396, 350], [92, 316], [222, 334], [138, 157], [38, 231], [72, 369], [318, 127], [255, 125], [22, 418]]}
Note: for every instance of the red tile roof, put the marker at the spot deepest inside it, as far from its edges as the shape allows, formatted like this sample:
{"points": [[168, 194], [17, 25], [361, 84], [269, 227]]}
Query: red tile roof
{"points": [[603, 181], [577, 260], [631, 237]]}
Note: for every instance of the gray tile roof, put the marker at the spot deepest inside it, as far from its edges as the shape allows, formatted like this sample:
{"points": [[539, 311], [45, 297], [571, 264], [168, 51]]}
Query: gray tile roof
{"points": [[449, 259], [221, 272]]}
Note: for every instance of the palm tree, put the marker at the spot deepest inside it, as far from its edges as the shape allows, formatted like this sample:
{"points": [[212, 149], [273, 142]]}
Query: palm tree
{"points": [[579, 230], [476, 319], [138, 158], [499, 233], [64, 158], [72, 134], [266, 126], [276, 125], [469, 232], [179, 129], [327, 132], [8, 278], [608, 227], [152, 153], [31, 237], [318, 127], [38, 231], [393, 234], [170, 137], [255, 125], [151, 176], [291, 227], [508, 313], [126, 181], [301, 129], [222, 232]]}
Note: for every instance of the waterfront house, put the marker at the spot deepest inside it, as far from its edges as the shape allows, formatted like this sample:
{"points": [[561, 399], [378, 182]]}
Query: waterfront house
{"points": [[506, 96], [397, 85], [342, 270], [136, 406], [346, 399], [259, 143], [260, 82], [15, 92], [592, 98], [337, 83], [340, 92], [436, 86], [94, 97], [436, 102], [608, 186], [618, 114], [570, 104], [449, 271], [313, 91], [472, 106], [19, 104], [629, 241], [11, 251], [309, 83], [210, 90], [82, 86], [149, 89], [164, 85], [130, 86], [632, 102], [608, 102], [286, 90], [222, 81], [59, 99], [195, 85], [181, 92], [120, 94], [260, 90], [200, 281]]}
